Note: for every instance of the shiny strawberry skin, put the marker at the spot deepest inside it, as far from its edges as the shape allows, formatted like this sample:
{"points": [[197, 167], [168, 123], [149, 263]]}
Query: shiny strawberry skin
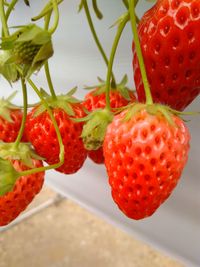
{"points": [[41, 133], [9, 130], [96, 155], [93, 102], [144, 158], [25, 189], [170, 38]]}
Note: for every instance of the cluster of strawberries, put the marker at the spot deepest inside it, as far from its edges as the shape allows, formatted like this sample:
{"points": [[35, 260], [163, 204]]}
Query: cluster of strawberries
{"points": [[145, 146]]}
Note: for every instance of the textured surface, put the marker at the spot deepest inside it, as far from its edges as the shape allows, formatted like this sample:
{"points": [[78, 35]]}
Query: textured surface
{"points": [[68, 236], [144, 157], [169, 35], [25, 189]]}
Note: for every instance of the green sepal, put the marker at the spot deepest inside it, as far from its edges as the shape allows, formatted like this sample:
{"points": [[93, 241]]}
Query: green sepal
{"points": [[8, 70], [8, 176], [6, 106], [152, 109], [80, 7], [94, 129], [120, 20], [46, 10], [64, 101], [22, 152], [120, 87]]}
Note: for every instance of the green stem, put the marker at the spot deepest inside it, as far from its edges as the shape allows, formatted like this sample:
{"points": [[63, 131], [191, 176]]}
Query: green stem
{"points": [[47, 20], [46, 66], [97, 41], [149, 99], [49, 81], [127, 6], [112, 56], [61, 155], [96, 9], [3, 19], [25, 107], [56, 14], [10, 8]]}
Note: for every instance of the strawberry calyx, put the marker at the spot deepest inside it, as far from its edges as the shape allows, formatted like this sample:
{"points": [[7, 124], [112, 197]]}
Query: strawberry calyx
{"points": [[9, 152], [120, 87], [94, 129], [6, 106], [63, 101], [153, 109], [22, 152], [30, 46]]}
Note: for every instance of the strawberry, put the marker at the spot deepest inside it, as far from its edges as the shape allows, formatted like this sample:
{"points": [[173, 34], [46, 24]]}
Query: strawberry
{"points": [[10, 119], [41, 133], [96, 99], [25, 189], [144, 155], [170, 38]]}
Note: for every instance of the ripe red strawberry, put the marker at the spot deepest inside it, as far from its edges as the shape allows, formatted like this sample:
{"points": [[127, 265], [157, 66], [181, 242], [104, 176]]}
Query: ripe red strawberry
{"points": [[10, 129], [41, 133], [25, 189], [170, 38], [95, 100], [10, 120], [144, 157]]}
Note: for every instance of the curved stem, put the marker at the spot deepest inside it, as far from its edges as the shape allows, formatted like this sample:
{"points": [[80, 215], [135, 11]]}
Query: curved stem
{"points": [[10, 8], [112, 56], [61, 155], [3, 19], [97, 41], [149, 99], [56, 14], [25, 106], [96, 9]]}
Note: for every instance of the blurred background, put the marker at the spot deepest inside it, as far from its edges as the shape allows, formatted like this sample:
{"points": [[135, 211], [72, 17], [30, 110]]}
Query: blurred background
{"points": [[85, 227]]}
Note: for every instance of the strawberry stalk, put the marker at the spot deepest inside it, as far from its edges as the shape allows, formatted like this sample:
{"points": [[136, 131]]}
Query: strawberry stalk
{"points": [[97, 41], [121, 27], [25, 107], [96, 9], [148, 95], [10, 8], [61, 155], [3, 19], [46, 66], [56, 17]]}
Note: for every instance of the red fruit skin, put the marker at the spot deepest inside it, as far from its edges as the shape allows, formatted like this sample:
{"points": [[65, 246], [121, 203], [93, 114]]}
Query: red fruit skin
{"points": [[93, 102], [96, 155], [170, 37], [144, 158], [41, 133], [9, 130], [26, 187]]}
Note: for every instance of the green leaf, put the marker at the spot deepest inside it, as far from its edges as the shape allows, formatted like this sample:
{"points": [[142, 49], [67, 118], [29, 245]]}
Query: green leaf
{"points": [[8, 176]]}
